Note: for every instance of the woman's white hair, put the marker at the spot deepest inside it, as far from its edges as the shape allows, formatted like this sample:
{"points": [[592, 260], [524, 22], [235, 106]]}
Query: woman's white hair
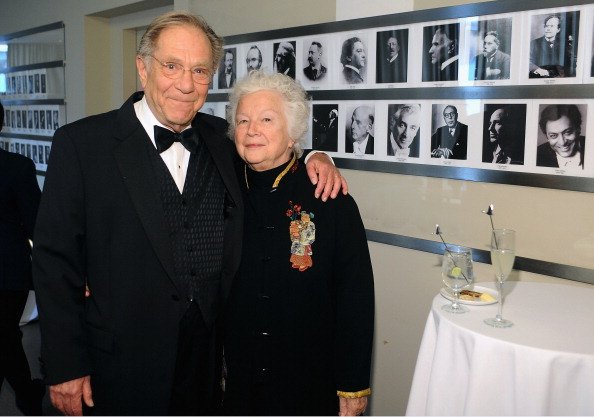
{"points": [[295, 98]]}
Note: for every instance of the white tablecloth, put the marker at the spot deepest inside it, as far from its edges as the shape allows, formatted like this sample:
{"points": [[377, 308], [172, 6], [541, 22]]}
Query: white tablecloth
{"points": [[543, 365]]}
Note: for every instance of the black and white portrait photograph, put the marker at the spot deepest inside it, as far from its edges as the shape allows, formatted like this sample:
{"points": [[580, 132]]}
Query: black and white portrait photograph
{"points": [[42, 119], [440, 52], [56, 118], [449, 139], [315, 60], [325, 127], [40, 153], [285, 58], [47, 153], [253, 58], [553, 45], [404, 130], [561, 136], [490, 47], [43, 86], [228, 69], [391, 56], [359, 130], [504, 133], [37, 87], [353, 60]]}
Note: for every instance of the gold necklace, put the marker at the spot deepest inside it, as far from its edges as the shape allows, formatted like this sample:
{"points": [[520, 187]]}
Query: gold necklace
{"points": [[279, 177]]}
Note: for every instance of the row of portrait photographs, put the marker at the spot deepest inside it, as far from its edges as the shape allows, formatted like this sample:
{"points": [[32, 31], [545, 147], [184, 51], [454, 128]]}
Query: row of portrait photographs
{"points": [[545, 46], [38, 151], [547, 137], [529, 136], [40, 120], [31, 84]]}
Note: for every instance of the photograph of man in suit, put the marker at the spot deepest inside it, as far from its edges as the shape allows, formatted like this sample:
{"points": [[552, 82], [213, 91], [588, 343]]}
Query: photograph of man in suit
{"points": [[227, 71], [391, 56], [142, 211], [554, 53], [284, 58], [564, 146], [253, 59], [449, 141], [504, 133], [442, 55], [404, 130], [315, 70], [359, 137], [353, 60], [492, 64], [325, 127]]}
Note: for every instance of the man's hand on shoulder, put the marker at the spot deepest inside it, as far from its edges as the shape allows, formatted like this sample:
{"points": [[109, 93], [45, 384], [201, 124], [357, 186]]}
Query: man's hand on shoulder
{"points": [[68, 396], [326, 176]]}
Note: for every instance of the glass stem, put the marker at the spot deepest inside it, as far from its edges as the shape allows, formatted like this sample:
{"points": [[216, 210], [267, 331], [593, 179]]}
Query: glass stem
{"points": [[499, 316], [456, 299]]}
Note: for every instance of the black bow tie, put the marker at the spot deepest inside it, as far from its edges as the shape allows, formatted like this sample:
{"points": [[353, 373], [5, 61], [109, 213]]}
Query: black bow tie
{"points": [[164, 138]]}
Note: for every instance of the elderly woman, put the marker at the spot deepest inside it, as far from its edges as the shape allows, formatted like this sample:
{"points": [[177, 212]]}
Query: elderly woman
{"points": [[299, 324]]}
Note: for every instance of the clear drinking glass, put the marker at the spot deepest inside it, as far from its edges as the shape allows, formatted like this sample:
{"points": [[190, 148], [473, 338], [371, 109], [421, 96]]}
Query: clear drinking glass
{"points": [[503, 253], [456, 272]]}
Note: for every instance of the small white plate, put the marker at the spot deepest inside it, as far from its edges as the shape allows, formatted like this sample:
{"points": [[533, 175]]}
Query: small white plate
{"points": [[445, 292]]}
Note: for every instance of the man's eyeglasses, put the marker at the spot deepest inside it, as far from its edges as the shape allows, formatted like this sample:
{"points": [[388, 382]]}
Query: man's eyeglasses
{"points": [[174, 71]]}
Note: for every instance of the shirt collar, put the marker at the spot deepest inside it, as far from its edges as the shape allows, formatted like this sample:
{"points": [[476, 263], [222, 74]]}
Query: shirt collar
{"points": [[147, 118], [449, 61]]}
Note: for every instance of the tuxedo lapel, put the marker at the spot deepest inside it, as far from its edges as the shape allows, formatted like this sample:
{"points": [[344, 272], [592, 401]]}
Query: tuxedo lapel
{"points": [[141, 182], [221, 153]]}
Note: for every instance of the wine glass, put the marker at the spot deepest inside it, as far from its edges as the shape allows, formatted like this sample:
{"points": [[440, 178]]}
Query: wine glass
{"points": [[456, 271], [503, 252]]}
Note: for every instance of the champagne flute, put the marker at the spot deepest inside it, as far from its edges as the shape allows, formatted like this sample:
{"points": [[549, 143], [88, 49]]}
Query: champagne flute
{"points": [[503, 252], [456, 272]]}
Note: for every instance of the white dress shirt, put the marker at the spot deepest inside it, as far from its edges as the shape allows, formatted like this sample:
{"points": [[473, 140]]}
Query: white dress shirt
{"points": [[176, 158]]}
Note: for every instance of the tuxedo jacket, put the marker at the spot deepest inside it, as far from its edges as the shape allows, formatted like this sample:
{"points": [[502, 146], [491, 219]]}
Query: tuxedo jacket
{"points": [[19, 199], [223, 79], [550, 58], [309, 73], [101, 223], [351, 76], [391, 72], [348, 147], [501, 61], [457, 142]]}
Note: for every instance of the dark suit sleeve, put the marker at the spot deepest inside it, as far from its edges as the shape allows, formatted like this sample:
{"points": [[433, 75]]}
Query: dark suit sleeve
{"points": [[59, 265], [27, 195], [505, 67], [353, 277]]}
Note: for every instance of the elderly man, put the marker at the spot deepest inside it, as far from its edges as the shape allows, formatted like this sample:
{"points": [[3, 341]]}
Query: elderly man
{"points": [[353, 60], [443, 54], [548, 53], [227, 71], [503, 138], [136, 239], [449, 141], [315, 70], [565, 146], [404, 125], [492, 64], [361, 128], [253, 59], [284, 59], [391, 65]]}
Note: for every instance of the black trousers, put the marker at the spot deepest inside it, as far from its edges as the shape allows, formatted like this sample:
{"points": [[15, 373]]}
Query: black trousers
{"points": [[195, 390], [13, 361]]}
